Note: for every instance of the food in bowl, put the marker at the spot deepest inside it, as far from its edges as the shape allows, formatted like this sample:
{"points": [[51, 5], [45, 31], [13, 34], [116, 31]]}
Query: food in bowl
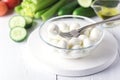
{"points": [[74, 47]]}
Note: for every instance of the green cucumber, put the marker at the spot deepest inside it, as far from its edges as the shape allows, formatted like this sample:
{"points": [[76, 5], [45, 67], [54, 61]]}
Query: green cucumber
{"points": [[29, 22], [88, 12], [17, 21], [18, 34], [85, 3], [68, 8]]}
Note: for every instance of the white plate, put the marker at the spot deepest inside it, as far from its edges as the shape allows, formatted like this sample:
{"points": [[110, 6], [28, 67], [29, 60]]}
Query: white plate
{"points": [[101, 58]]}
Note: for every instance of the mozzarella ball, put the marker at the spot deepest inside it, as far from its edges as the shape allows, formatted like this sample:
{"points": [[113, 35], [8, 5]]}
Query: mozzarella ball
{"points": [[58, 37], [63, 27], [82, 37], [55, 40], [76, 47], [74, 26], [75, 41], [86, 42], [87, 32], [53, 29], [62, 44], [94, 34]]}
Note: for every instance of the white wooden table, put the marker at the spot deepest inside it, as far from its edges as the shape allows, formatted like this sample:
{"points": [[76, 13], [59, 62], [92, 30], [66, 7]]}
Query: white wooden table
{"points": [[12, 66]]}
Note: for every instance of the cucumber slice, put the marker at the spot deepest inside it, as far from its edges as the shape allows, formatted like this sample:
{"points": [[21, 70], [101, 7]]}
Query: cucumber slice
{"points": [[85, 3], [18, 34], [17, 21], [29, 22]]}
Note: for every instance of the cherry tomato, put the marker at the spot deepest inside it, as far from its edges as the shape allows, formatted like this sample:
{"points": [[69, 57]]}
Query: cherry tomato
{"points": [[3, 8], [12, 3]]}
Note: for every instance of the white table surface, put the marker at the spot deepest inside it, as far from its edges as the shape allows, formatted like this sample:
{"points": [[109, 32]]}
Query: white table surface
{"points": [[12, 66]]}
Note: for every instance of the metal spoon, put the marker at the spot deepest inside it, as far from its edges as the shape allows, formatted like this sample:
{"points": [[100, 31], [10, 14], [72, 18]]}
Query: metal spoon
{"points": [[76, 33]]}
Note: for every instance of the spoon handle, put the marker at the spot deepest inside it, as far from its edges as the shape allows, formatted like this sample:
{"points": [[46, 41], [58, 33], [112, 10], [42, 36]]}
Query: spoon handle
{"points": [[115, 18]]}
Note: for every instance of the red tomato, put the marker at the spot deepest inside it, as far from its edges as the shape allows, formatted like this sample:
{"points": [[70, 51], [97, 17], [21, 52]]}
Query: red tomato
{"points": [[12, 3], [3, 8]]}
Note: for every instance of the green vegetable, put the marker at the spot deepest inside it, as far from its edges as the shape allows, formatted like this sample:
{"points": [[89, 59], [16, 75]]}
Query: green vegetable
{"points": [[18, 34], [17, 21], [34, 1], [31, 7], [18, 9], [29, 22], [85, 3], [45, 4], [39, 6], [20, 21], [39, 13], [19, 26], [88, 12], [53, 10], [68, 8], [27, 12]]}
